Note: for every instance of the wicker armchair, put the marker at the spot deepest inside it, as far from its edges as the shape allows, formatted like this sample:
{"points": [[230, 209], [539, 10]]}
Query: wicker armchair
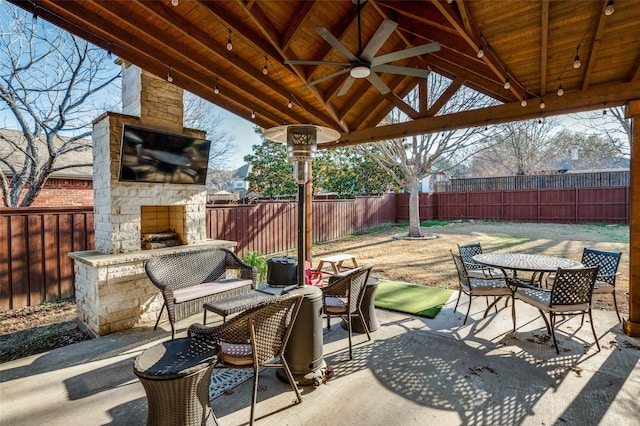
{"points": [[187, 280], [473, 286], [570, 295], [343, 296], [256, 339]]}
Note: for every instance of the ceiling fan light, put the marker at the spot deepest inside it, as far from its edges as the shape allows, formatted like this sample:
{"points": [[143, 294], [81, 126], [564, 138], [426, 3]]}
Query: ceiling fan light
{"points": [[360, 72]]}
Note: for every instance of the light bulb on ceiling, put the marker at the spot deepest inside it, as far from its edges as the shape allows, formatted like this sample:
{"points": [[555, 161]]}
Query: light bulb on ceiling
{"points": [[576, 62], [175, 2], [560, 90], [507, 84], [289, 104], [480, 53], [169, 76], [609, 9], [265, 71], [229, 44], [449, 1], [542, 104], [253, 114], [216, 90], [523, 103]]}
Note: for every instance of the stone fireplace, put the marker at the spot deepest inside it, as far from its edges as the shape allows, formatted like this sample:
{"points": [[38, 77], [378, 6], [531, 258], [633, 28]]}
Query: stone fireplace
{"points": [[112, 290]]}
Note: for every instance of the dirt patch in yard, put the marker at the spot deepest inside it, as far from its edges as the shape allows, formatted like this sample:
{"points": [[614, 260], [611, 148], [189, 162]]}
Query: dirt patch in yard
{"points": [[32, 330]]}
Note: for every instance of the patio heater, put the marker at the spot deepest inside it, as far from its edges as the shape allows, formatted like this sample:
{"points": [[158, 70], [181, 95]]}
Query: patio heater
{"points": [[304, 351]]}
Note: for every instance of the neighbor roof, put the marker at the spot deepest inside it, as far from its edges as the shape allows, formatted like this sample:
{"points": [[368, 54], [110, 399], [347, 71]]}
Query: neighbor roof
{"points": [[74, 157]]}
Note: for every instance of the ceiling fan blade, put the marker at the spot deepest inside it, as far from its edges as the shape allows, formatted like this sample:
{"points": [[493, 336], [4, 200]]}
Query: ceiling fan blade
{"points": [[326, 77], [394, 69], [302, 62], [406, 53], [346, 85], [325, 34], [378, 83], [381, 35]]}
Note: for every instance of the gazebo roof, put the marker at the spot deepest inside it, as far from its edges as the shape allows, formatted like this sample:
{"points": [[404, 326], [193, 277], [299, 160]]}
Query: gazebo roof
{"points": [[532, 44]]}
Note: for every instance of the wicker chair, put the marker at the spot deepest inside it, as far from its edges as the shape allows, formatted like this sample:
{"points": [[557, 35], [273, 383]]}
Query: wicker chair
{"points": [[342, 297], [608, 262], [187, 280], [473, 286], [474, 270], [256, 339], [570, 295]]}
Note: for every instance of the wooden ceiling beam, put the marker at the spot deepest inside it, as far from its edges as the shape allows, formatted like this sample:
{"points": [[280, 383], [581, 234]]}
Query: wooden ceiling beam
{"points": [[399, 103], [544, 45], [423, 96], [635, 73], [595, 46], [578, 101], [298, 19], [490, 56], [450, 68], [444, 97]]}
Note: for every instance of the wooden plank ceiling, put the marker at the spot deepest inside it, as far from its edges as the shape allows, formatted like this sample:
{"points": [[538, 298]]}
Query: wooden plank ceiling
{"points": [[532, 44]]}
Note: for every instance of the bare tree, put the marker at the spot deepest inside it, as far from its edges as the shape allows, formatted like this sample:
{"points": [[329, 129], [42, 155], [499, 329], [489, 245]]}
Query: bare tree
{"points": [[612, 124], [203, 115], [517, 148], [409, 161], [48, 85]]}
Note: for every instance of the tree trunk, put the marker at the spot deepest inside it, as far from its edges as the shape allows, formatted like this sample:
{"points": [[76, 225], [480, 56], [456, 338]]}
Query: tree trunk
{"points": [[414, 209]]}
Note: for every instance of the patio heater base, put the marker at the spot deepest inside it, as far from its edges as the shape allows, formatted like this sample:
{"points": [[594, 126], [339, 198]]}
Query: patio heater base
{"points": [[304, 349]]}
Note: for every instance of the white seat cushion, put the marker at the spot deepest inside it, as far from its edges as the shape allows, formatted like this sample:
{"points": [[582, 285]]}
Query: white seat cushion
{"points": [[236, 353], [603, 287], [484, 287], [541, 298], [207, 289], [335, 305]]}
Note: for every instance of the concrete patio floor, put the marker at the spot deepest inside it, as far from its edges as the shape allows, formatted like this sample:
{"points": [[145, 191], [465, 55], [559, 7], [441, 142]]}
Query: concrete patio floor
{"points": [[414, 371]]}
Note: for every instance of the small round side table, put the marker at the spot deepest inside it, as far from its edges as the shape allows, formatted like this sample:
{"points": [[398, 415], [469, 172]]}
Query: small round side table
{"points": [[176, 376]]}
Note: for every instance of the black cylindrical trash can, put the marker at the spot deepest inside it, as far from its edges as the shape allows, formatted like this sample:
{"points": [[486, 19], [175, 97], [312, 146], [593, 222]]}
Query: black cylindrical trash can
{"points": [[304, 349], [282, 271]]}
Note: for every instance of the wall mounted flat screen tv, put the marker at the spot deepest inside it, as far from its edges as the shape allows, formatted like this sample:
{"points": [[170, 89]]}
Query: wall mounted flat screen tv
{"points": [[158, 157]]}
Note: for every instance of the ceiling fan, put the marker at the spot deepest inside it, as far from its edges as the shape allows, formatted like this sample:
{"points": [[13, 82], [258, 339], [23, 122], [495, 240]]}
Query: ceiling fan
{"points": [[364, 63]]}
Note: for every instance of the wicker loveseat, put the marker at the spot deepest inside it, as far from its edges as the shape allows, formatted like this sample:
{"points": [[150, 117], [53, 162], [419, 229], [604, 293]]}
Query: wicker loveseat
{"points": [[187, 280]]}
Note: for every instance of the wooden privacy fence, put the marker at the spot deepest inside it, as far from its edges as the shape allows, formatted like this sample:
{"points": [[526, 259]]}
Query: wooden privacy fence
{"points": [[568, 205], [34, 248], [564, 180]]}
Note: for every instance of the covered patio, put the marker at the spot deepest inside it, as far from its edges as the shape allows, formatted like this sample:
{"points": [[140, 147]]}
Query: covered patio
{"points": [[415, 371], [345, 65]]}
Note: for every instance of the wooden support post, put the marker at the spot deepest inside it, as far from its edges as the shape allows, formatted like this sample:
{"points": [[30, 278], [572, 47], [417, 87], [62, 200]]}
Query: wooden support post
{"points": [[631, 326], [309, 216]]}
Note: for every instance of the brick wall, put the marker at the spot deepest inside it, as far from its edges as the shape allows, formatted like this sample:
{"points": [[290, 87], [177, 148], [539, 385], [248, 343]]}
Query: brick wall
{"points": [[65, 193]]}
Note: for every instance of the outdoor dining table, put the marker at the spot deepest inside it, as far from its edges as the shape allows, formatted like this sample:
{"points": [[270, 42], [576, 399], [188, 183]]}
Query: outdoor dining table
{"points": [[538, 264]]}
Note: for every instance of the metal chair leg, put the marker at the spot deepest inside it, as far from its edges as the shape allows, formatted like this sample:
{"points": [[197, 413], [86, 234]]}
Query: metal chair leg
{"points": [[593, 329], [615, 303]]}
